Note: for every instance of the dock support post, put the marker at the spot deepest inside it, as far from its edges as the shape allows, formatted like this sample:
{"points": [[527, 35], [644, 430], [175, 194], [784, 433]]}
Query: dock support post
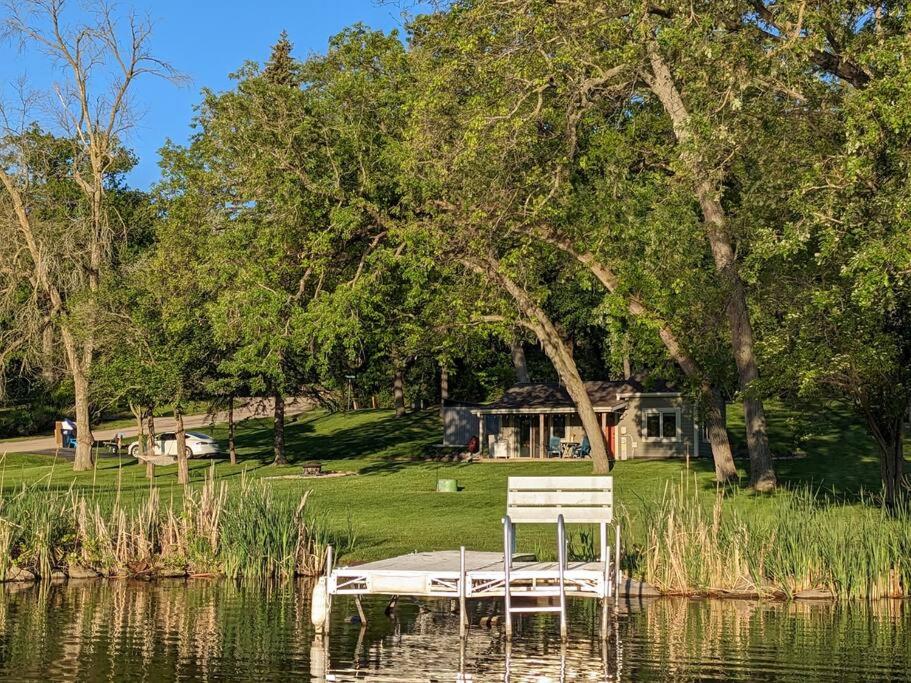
{"points": [[360, 609], [607, 580], [330, 565], [617, 575], [561, 567], [463, 613], [507, 561]]}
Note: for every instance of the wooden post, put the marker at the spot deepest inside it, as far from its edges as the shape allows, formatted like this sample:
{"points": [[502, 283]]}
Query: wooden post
{"points": [[541, 452], [360, 610], [58, 434]]}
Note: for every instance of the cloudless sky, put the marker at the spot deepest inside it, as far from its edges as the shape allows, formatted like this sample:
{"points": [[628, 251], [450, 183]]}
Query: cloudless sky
{"points": [[206, 40]]}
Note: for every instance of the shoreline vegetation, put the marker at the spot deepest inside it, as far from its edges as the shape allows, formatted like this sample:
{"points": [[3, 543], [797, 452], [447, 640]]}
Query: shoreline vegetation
{"points": [[804, 547], [816, 537], [807, 544], [240, 531]]}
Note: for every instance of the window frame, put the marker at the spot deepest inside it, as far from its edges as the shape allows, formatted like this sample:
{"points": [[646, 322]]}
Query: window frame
{"points": [[661, 412]]}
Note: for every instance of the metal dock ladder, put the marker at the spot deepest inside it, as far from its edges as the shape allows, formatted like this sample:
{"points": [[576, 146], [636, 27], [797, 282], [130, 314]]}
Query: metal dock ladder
{"points": [[556, 500], [508, 546]]}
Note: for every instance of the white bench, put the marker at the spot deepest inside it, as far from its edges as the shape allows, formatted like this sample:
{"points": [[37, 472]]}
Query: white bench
{"points": [[560, 501]]}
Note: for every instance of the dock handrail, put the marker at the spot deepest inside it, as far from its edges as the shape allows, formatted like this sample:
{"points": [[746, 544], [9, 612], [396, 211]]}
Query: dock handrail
{"points": [[508, 541]]}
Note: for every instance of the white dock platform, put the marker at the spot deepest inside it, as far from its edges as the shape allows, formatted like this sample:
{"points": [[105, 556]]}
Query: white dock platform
{"points": [[533, 585], [438, 574]]}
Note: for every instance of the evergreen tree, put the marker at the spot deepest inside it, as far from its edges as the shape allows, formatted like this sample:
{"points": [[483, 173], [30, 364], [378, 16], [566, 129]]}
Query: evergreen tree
{"points": [[281, 69]]}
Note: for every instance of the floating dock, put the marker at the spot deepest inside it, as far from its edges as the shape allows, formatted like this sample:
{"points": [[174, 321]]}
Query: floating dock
{"points": [[524, 583], [445, 574]]}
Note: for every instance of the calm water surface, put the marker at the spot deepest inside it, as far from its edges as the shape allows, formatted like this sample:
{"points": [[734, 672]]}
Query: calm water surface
{"points": [[216, 630]]}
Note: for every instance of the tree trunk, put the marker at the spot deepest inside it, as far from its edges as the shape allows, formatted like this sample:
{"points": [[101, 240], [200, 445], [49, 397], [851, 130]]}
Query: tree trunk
{"points": [[716, 426], [444, 387], [278, 430], [721, 447], [232, 445], [139, 414], [150, 422], [398, 390], [559, 354], [889, 435], [762, 473], [183, 465], [48, 369], [519, 362], [84, 459], [892, 461]]}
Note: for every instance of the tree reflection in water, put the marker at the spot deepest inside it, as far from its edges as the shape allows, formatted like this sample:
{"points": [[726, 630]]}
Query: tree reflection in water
{"points": [[216, 630]]}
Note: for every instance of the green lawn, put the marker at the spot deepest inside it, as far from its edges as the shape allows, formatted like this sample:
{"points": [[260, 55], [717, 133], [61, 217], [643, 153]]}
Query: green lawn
{"points": [[391, 506]]}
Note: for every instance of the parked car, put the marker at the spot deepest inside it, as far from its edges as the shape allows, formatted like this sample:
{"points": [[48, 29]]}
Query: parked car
{"points": [[198, 445]]}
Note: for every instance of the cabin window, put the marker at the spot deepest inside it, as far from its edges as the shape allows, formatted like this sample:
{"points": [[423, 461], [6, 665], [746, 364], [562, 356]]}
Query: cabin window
{"points": [[662, 424]]}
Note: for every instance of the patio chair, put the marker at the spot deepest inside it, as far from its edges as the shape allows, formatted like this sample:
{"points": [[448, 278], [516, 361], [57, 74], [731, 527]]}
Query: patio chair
{"points": [[584, 449], [555, 447]]}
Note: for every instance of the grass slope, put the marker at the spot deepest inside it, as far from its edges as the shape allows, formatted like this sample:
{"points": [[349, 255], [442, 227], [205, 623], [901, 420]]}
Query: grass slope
{"points": [[391, 507]]}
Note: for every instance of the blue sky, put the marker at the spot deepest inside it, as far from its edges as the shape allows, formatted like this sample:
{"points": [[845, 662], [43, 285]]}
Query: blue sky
{"points": [[206, 40]]}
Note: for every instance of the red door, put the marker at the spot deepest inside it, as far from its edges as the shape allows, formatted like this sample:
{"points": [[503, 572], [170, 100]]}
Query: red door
{"points": [[609, 434]]}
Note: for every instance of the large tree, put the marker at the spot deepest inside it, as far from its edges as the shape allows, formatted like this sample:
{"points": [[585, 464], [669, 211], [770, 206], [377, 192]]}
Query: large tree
{"points": [[840, 326], [292, 178], [497, 139], [57, 262], [628, 135]]}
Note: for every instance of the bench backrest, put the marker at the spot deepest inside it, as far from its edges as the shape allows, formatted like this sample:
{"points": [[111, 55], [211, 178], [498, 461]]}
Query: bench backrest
{"points": [[585, 500]]}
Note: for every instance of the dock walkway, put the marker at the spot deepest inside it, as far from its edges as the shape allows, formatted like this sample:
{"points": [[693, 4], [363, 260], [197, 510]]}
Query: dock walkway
{"points": [[438, 575]]}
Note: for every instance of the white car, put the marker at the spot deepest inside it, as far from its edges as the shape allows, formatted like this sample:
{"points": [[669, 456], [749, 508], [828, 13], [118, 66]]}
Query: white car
{"points": [[198, 445]]}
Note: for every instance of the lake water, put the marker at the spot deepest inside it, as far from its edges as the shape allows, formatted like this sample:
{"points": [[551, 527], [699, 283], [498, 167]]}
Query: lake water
{"points": [[216, 630]]}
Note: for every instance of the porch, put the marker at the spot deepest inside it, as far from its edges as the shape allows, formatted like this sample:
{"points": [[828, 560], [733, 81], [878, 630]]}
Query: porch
{"points": [[542, 433]]}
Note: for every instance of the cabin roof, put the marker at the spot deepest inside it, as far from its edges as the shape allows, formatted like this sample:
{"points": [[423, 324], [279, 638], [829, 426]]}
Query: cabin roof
{"points": [[541, 397]]}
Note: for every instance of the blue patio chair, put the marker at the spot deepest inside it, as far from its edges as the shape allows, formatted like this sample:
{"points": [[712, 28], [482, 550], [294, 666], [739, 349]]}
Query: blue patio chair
{"points": [[555, 447], [583, 450]]}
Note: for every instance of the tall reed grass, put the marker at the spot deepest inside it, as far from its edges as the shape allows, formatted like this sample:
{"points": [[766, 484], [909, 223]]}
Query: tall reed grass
{"points": [[797, 540], [244, 531]]}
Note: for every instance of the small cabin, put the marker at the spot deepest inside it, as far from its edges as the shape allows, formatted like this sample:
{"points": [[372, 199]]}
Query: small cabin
{"points": [[539, 420]]}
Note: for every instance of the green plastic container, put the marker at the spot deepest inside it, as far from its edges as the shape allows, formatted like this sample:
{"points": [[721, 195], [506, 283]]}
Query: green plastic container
{"points": [[447, 486]]}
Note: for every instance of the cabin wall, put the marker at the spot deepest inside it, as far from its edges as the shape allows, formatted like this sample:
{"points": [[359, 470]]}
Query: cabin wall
{"points": [[630, 432], [632, 439], [459, 425]]}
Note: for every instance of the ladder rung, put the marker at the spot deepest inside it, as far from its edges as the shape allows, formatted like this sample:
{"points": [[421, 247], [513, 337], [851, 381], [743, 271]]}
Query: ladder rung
{"points": [[555, 608]]}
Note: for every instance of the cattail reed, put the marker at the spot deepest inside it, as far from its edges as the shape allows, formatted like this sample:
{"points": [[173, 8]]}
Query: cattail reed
{"points": [[794, 541], [240, 531]]}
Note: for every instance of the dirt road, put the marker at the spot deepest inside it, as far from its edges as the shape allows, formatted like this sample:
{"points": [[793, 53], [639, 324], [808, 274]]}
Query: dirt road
{"points": [[253, 408]]}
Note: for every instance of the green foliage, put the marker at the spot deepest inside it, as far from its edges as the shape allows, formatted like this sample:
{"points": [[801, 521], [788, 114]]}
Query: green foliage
{"points": [[802, 540]]}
